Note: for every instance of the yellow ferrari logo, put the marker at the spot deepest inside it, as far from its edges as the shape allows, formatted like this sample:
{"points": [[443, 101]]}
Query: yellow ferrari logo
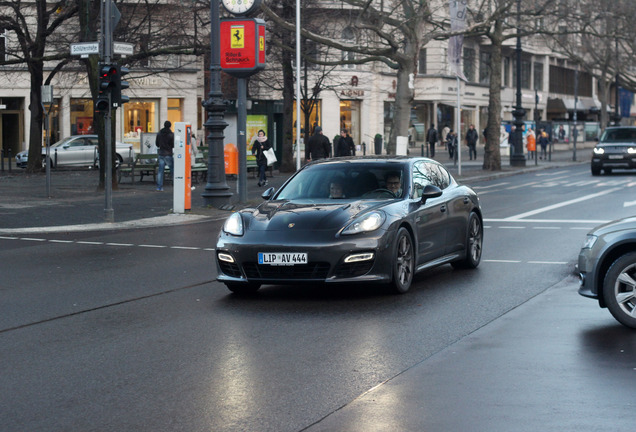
{"points": [[237, 37], [261, 43]]}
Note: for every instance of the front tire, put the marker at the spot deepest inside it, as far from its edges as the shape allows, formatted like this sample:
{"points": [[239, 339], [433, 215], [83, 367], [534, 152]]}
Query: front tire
{"points": [[243, 288], [403, 262], [619, 289], [474, 243]]}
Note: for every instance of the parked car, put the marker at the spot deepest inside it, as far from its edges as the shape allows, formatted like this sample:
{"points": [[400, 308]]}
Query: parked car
{"points": [[368, 219], [615, 150], [607, 268], [77, 150]]}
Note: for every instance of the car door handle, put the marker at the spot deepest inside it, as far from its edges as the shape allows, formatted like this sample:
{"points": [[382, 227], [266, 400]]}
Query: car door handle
{"points": [[443, 209]]}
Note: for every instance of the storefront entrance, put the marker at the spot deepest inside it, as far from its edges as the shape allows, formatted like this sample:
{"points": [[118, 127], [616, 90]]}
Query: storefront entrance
{"points": [[350, 120]]}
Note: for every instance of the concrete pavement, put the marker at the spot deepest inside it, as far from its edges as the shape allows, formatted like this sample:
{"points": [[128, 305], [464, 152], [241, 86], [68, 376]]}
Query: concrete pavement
{"points": [[75, 203]]}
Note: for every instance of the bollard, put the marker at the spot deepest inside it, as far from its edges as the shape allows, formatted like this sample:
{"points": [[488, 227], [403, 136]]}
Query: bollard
{"points": [[55, 158], [364, 148], [2, 160], [9, 159]]}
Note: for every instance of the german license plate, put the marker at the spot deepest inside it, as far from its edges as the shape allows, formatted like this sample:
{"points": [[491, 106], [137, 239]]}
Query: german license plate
{"points": [[282, 258], [616, 156]]}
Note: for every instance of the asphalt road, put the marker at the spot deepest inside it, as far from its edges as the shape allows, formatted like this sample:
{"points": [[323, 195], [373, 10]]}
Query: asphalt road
{"points": [[127, 330]]}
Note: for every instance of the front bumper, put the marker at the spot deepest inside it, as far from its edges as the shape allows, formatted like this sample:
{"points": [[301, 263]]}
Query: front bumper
{"points": [[587, 274], [620, 160], [326, 261]]}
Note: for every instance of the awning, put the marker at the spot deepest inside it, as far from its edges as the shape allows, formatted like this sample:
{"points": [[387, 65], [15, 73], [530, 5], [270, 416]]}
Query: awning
{"points": [[556, 105], [561, 105]]}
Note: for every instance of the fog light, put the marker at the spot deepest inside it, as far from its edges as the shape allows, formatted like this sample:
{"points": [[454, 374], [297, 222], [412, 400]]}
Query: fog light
{"points": [[359, 257], [225, 257]]}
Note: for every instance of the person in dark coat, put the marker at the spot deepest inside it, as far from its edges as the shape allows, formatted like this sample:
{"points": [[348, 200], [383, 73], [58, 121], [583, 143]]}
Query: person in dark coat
{"points": [[471, 140], [261, 143], [345, 145], [317, 146], [431, 139], [165, 144]]}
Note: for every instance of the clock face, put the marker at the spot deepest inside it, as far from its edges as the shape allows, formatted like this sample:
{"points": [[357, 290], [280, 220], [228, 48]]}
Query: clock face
{"points": [[241, 7]]}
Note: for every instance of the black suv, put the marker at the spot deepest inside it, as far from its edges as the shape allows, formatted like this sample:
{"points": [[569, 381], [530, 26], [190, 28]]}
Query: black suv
{"points": [[616, 149]]}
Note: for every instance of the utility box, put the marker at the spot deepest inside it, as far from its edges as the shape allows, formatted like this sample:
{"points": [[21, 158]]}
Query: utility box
{"points": [[230, 153]]}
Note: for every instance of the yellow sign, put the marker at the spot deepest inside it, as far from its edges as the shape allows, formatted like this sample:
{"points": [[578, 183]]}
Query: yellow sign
{"points": [[261, 43], [237, 36]]}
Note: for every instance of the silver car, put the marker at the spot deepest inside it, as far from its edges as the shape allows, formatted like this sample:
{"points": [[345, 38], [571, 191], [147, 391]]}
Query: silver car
{"points": [[607, 268], [78, 150]]}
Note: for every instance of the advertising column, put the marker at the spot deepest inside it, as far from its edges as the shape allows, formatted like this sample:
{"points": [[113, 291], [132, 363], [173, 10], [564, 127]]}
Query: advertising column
{"points": [[182, 191]]}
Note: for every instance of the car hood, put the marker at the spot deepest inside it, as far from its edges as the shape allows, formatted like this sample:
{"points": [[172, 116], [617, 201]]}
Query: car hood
{"points": [[628, 223], [278, 215]]}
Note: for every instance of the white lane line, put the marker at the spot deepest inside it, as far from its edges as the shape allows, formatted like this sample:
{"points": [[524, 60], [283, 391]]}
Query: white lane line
{"points": [[31, 239], [90, 243], [547, 228], [8, 238], [184, 247], [564, 221], [119, 244], [61, 241], [582, 228], [547, 262], [209, 249], [152, 246], [503, 261], [562, 204], [95, 243], [512, 227]]}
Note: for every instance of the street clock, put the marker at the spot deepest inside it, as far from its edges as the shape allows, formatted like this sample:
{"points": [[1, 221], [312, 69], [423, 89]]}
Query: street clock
{"points": [[241, 7]]}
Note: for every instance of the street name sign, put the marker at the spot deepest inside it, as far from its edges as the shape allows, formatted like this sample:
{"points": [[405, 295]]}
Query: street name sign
{"points": [[123, 48], [85, 48]]}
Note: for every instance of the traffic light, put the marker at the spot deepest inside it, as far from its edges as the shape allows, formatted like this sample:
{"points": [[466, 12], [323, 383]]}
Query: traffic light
{"points": [[119, 84], [106, 84]]}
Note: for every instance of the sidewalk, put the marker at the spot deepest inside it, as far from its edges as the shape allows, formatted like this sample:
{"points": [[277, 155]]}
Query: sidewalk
{"points": [[75, 198]]}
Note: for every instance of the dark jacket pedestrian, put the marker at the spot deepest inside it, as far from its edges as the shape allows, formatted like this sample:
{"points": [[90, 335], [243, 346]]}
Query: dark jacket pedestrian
{"points": [[165, 140], [318, 146], [431, 139], [345, 145], [471, 140], [165, 144], [542, 139], [261, 144]]}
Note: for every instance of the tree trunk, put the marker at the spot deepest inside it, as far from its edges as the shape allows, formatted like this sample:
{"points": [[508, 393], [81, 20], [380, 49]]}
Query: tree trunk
{"points": [[288, 164], [492, 154], [403, 101], [35, 128]]}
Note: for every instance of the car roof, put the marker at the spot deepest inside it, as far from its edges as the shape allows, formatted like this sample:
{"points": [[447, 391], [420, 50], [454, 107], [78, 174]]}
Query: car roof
{"points": [[373, 159]]}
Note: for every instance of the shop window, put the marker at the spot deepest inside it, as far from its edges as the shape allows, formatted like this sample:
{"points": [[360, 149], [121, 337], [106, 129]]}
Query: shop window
{"points": [[469, 64], [140, 116], [314, 120], [175, 110], [82, 116], [421, 62]]}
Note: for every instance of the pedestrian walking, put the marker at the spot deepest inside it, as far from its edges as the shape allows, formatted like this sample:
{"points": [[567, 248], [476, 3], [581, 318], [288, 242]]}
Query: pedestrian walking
{"points": [[471, 140], [431, 139], [344, 146], [165, 145], [543, 142], [318, 146], [261, 144], [451, 144]]}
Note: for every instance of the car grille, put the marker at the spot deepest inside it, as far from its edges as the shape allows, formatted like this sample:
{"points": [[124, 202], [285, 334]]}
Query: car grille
{"points": [[316, 270], [353, 269], [230, 269]]}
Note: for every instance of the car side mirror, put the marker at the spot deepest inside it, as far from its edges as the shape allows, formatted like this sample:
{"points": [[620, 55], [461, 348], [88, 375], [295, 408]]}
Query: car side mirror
{"points": [[268, 193], [430, 191]]}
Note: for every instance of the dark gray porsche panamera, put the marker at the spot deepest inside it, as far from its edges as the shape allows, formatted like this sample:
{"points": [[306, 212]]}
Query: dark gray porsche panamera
{"points": [[351, 220]]}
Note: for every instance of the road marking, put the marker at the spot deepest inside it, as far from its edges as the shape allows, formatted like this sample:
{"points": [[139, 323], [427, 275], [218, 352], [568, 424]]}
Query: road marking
{"points": [[629, 203], [184, 247], [547, 262], [547, 228], [503, 261], [152, 246], [563, 221], [512, 227], [562, 204], [95, 243], [119, 244], [90, 242]]}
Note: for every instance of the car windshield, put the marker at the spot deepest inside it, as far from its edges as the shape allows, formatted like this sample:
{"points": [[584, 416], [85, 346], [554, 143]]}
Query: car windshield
{"points": [[346, 180], [619, 135]]}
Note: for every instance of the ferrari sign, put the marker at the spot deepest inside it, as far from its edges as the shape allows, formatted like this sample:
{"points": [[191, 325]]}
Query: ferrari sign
{"points": [[242, 46]]}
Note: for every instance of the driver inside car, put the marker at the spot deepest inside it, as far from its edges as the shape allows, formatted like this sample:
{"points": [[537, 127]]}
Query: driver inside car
{"points": [[393, 183]]}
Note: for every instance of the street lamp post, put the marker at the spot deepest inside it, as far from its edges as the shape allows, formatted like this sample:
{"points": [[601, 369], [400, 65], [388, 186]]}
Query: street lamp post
{"points": [[517, 157], [216, 191]]}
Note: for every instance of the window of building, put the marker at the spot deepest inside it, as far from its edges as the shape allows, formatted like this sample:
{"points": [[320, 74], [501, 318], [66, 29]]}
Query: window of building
{"points": [[538, 76], [141, 116], [469, 64], [315, 119], [82, 116], [506, 71], [525, 73], [175, 110], [484, 67], [348, 36], [421, 62], [3, 45]]}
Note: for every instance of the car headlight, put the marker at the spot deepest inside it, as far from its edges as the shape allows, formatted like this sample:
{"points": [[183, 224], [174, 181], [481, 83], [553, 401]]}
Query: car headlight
{"points": [[366, 223], [589, 241], [599, 150], [631, 150], [234, 225]]}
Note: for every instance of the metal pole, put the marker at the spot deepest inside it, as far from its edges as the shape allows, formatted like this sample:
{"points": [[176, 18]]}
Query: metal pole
{"points": [[458, 123], [518, 158], [48, 152], [216, 191], [297, 85], [576, 98], [241, 138], [109, 212]]}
